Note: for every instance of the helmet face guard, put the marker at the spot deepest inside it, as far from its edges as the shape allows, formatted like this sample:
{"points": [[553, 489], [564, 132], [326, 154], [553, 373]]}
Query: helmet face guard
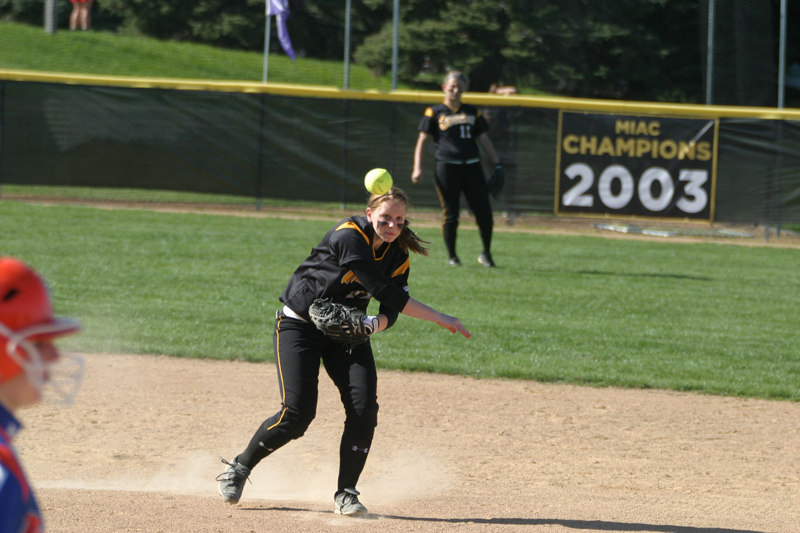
{"points": [[60, 379], [26, 320]]}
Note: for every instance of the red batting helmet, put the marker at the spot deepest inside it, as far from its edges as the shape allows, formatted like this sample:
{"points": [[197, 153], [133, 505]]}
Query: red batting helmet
{"points": [[26, 317]]}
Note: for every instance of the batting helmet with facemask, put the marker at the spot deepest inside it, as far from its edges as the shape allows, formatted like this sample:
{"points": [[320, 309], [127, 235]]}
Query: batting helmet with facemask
{"points": [[26, 320]]}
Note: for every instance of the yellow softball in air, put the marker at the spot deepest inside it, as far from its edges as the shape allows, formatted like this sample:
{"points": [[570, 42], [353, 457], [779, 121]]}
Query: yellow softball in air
{"points": [[378, 181]]}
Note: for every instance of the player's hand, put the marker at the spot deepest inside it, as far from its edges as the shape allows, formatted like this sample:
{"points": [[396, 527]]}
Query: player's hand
{"points": [[416, 176], [453, 325]]}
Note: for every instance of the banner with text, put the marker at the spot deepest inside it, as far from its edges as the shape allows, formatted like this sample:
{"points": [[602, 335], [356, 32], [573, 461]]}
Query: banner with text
{"points": [[642, 166]]}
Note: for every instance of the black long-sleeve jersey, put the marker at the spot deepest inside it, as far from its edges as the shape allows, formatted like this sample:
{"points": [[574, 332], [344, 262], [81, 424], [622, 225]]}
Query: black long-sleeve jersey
{"points": [[345, 267]]}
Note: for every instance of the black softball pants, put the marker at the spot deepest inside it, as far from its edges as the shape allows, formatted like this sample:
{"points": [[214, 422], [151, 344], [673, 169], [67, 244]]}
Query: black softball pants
{"points": [[299, 348], [453, 179]]}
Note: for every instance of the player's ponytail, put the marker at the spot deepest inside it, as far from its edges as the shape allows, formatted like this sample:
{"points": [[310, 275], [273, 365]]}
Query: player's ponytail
{"points": [[411, 241]]}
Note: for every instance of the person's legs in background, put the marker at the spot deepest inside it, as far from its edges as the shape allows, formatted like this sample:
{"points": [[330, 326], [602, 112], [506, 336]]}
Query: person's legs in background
{"points": [[448, 185]]}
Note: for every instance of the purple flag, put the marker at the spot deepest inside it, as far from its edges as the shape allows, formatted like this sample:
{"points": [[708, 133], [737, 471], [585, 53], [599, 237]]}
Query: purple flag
{"points": [[280, 8]]}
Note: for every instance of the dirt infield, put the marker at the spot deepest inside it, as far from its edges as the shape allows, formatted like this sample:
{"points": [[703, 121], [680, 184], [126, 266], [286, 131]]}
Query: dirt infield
{"points": [[140, 451]]}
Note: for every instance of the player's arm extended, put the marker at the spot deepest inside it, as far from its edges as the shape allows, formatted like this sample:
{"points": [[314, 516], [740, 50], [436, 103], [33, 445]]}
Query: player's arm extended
{"points": [[416, 172], [417, 309], [392, 298]]}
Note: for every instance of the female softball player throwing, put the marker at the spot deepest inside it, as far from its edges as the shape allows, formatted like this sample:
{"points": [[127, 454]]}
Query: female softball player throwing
{"points": [[457, 129], [361, 257]]}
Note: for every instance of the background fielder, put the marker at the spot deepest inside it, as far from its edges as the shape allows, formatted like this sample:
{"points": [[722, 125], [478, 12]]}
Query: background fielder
{"points": [[457, 129]]}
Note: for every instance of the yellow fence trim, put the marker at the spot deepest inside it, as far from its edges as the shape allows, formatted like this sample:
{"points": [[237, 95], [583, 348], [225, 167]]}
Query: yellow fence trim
{"points": [[422, 97]]}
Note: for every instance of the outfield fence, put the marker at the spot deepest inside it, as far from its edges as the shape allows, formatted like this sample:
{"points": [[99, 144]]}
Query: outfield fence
{"points": [[565, 156]]}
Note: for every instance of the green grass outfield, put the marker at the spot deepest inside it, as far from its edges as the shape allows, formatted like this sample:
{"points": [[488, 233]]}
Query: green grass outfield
{"points": [[711, 318]]}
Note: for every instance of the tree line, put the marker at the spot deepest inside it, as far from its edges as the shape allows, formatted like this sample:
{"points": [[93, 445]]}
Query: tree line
{"points": [[613, 49]]}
